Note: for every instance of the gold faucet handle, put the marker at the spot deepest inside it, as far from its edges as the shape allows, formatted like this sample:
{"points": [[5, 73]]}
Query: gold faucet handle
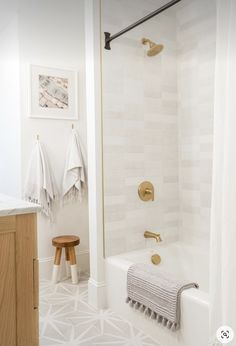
{"points": [[146, 191]]}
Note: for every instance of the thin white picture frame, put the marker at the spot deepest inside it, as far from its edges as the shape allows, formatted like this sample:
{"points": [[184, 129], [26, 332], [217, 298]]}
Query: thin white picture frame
{"points": [[37, 111]]}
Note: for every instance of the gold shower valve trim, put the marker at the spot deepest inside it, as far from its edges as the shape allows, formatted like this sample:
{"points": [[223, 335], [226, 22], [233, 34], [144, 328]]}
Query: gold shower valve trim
{"points": [[146, 191]]}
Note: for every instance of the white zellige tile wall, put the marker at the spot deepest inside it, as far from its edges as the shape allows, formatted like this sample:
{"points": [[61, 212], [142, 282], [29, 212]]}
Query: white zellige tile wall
{"points": [[196, 38], [140, 127], [150, 124]]}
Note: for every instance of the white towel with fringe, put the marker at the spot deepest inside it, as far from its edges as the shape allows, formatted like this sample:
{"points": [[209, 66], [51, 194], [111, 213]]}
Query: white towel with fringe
{"points": [[156, 294], [74, 174], [39, 186]]}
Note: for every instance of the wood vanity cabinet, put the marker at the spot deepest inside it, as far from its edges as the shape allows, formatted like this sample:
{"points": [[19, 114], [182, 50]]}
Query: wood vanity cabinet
{"points": [[18, 281]]}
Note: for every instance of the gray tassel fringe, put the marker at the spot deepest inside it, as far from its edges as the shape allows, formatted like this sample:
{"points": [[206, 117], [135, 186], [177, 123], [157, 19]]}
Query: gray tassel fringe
{"points": [[152, 314]]}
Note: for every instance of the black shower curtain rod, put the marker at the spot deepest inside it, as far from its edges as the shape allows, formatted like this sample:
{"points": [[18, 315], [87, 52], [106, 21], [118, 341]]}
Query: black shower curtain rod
{"points": [[109, 38]]}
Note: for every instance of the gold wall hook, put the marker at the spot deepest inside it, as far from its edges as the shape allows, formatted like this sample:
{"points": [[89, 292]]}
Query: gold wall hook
{"points": [[146, 191]]}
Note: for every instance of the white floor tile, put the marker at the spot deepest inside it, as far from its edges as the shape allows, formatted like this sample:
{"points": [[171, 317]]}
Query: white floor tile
{"points": [[67, 319]]}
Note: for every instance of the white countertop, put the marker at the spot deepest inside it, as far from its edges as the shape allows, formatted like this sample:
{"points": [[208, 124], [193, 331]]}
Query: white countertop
{"points": [[13, 206]]}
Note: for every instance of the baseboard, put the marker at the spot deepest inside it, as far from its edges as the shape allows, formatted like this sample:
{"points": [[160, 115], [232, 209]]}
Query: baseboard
{"points": [[97, 294], [46, 264]]}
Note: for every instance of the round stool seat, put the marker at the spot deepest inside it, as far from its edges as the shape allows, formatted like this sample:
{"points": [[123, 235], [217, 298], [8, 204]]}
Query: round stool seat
{"points": [[66, 241]]}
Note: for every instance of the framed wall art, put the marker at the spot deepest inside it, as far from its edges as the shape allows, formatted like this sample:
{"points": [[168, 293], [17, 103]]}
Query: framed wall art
{"points": [[53, 93]]}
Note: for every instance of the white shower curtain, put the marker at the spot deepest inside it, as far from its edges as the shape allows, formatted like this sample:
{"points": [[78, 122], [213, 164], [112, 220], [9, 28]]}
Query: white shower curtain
{"points": [[223, 232]]}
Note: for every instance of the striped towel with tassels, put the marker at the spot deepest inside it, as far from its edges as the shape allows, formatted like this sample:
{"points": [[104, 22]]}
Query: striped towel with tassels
{"points": [[156, 294]]}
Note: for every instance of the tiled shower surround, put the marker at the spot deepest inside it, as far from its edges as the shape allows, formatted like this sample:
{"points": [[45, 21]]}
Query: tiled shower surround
{"points": [[196, 36], [158, 123]]}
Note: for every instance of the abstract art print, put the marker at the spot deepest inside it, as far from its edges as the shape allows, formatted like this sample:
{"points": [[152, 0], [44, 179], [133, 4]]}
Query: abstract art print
{"points": [[53, 93]]}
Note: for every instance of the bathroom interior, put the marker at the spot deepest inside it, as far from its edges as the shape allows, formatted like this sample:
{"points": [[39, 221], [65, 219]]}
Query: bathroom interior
{"points": [[117, 178]]}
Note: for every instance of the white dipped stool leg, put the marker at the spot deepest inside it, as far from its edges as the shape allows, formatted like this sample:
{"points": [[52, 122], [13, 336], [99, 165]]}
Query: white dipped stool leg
{"points": [[56, 266], [55, 273], [68, 272], [74, 274], [73, 266]]}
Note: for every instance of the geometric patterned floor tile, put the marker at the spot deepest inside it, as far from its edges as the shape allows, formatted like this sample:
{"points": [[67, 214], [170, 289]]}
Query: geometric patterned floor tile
{"points": [[67, 319]]}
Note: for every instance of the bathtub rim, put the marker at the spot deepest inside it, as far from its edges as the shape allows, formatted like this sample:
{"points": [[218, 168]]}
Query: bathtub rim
{"points": [[201, 296]]}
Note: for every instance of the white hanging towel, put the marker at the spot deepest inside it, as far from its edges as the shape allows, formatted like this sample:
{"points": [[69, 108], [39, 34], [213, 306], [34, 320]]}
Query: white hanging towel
{"points": [[39, 187], [74, 174]]}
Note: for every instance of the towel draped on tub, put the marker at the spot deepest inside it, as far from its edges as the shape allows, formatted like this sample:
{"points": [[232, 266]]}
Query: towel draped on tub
{"points": [[156, 294]]}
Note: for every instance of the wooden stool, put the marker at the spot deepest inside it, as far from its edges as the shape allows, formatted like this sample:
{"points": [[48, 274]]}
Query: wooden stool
{"points": [[68, 242]]}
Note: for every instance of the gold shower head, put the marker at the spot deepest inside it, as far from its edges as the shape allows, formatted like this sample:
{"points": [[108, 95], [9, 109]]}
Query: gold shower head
{"points": [[154, 48]]}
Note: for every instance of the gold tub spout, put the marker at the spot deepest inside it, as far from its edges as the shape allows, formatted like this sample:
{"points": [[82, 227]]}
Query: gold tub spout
{"points": [[156, 236]]}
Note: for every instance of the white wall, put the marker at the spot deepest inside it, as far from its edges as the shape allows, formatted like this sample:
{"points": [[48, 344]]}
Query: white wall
{"points": [[52, 35], [10, 166], [8, 12]]}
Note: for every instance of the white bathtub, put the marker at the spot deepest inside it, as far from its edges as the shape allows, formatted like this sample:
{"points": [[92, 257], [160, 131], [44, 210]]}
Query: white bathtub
{"points": [[180, 261]]}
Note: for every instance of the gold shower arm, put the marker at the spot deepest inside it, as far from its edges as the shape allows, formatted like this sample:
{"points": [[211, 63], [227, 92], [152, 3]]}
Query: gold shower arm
{"points": [[146, 41]]}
